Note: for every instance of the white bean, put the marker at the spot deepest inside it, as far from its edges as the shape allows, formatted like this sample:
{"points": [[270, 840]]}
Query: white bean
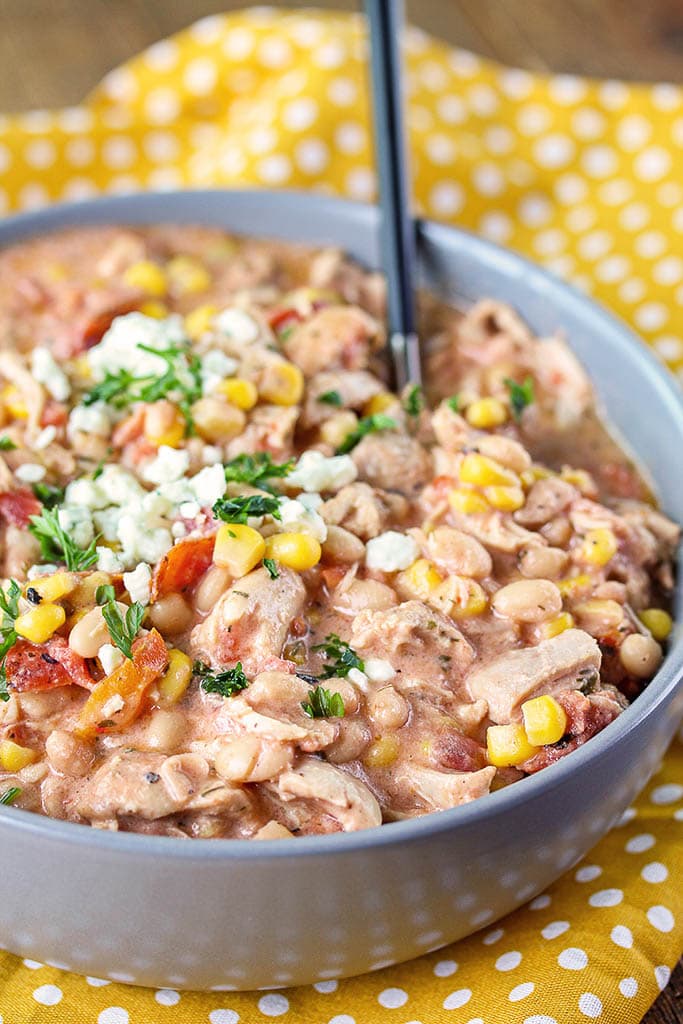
{"points": [[387, 709], [164, 731], [91, 632], [171, 614], [214, 584], [67, 754], [640, 655], [528, 600], [540, 562]]}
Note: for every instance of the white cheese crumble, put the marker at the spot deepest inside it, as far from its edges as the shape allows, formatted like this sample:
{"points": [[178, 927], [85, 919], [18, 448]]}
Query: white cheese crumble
{"points": [[119, 348], [358, 677], [90, 419], [238, 326], [45, 438], [49, 373], [41, 570], [190, 509], [216, 366], [378, 670], [110, 658], [76, 521], [30, 473], [208, 485], [211, 453], [107, 560], [317, 472], [138, 582], [169, 464], [296, 518], [391, 551]]}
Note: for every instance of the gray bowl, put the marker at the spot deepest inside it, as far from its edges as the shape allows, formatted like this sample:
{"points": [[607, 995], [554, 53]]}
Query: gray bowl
{"points": [[225, 914]]}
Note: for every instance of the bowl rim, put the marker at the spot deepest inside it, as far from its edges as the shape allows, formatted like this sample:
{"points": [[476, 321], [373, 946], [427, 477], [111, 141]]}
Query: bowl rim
{"points": [[24, 226]]}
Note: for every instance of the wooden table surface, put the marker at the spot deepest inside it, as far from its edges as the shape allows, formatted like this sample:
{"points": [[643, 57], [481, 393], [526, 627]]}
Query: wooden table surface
{"points": [[53, 51]]}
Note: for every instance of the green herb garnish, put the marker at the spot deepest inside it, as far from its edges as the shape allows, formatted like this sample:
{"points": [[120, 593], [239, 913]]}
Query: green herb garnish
{"points": [[271, 565], [50, 496], [10, 795], [414, 401], [7, 445], [123, 629], [521, 395], [104, 594], [227, 683], [57, 546], [238, 510], [453, 403], [256, 470], [323, 704], [9, 609], [341, 656], [368, 425], [331, 398]]}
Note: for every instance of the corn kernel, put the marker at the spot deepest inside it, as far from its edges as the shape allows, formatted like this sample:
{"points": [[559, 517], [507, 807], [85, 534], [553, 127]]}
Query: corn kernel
{"points": [[86, 588], [38, 624], [533, 473], [382, 753], [14, 402], [239, 392], [216, 420], [468, 503], [420, 578], [51, 588], [176, 678], [486, 472], [486, 413], [188, 276], [597, 547], [147, 276], [545, 720], [580, 479], [298, 551], [572, 586], [338, 427], [168, 427], [14, 757], [557, 625], [238, 548], [505, 499], [657, 621], [157, 310], [470, 600], [282, 384], [199, 320], [379, 403], [508, 745]]}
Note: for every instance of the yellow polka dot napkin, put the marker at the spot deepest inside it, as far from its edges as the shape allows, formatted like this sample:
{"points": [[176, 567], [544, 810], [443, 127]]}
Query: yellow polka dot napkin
{"points": [[586, 178]]}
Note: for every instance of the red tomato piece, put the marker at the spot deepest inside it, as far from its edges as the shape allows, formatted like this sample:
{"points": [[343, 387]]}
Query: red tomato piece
{"points": [[183, 565], [17, 507], [45, 666], [55, 414], [282, 319]]}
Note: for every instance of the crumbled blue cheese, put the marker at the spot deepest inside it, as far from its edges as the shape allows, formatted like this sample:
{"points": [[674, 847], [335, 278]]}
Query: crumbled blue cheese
{"points": [[211, 453], [140, 543], [107, 560], [378, 670], [45, 438], [216, 366], [119, 348], [138, 583], [30, 472], [237, 325], [296, 518], [391, 551], [317, 472], [49, 373], [76, 521], [110, 657], [90, 419], [359, 678], [208, 485], [169, 464], [41, 570], [190, 509]]}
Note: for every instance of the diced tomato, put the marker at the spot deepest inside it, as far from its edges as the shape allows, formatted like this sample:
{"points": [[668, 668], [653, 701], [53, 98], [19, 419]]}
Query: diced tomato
{"points": [[183, 565], [55, 414], [17, 507], [282, 319], [130, 428], [333, 575], [45, 666], [118, 699], [441, 485]]}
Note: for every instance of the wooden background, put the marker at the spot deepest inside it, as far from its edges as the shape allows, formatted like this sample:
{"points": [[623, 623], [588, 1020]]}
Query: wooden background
{"points": [[53, 51]]}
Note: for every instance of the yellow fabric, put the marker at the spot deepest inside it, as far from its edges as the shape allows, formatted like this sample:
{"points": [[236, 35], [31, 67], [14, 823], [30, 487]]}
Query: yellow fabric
{"points": [[585, 178]]}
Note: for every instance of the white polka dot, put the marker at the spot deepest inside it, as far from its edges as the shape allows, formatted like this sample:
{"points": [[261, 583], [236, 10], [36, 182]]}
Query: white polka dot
{"points": [[499, 139], [509, 961], [613, 268], [79, 152], [440, 149], [588, 123], [451, 109], [520, 992], [662, 976], [392, 998], [492, 937], [580, 218], [567, 89], [488, 179], [670, 793], [633, 131], [613, 94], [167, 997], [670, 193], [350, 137], [312, 156], [570, 189], [457, 999], [98, 982], [590, 1005], [652, 163], [622, 936], [207, 30], [33, 196], [40, 153], [628, 987], [634, 217], [200, 76], [48, 995], [539, 1018], [496, 225], [669, 271], [342, 91], [535, 210], [666, 96], [224, 1017], [595, 245], [573, 959], [554, 150], [445, 968], [482, 99], [300, 113], [325, 987], [599, 161], [360, 183], [661, 918], [275, 52], [654, 873], [606, 898], [650, 244], [615, 192], [446, 198], [162, 56], [550, 242], [632, 290], [515, 83], [651, 316], [119, 151], [113, 1015], [554, 929], [162, 105], [342, 1018], [33, 965], [432, 75], [330, 55], [541, 902], [669, 348], [275, 169], [273, 1005], [120, 85], [75, 119], [238, 43]]}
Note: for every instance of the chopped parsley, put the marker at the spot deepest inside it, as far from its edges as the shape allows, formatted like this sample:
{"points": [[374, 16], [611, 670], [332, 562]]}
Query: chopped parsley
{"points": [[104, 594], [6, 445], [331, 398], [226, 683], [414, 401], [123, 629], [342, 658], [9, 609], [271, 565], [323, 704], [453, 403], [10, 795], [238, 510], [521, 395], [50, 496], [368, 425], [57, 546], [256, 470]]}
